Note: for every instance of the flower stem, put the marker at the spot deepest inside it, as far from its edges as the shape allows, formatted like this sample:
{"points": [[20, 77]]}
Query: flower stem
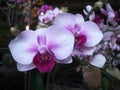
{"points": [[33, 80], [47, 83]]}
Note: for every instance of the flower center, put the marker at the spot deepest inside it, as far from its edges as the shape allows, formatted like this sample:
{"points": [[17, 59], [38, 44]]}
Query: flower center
{"points": [[43, 58], [79, 40]]}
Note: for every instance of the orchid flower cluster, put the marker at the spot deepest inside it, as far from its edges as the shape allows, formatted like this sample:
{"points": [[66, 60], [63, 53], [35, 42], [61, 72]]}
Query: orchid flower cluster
{"points": [[61, 37], [110, 46], [68, 35]]}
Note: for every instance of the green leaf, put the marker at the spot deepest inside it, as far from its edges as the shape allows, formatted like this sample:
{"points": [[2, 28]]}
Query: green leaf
{"points": [[105, 83]]}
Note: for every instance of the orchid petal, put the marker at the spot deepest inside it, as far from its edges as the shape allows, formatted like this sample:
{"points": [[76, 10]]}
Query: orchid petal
{"points": [[41, 37], [103, 11], [65, 20], [76, 52], [107, 36], [44, 66], [22, 67], [87, 50], [114, 23], [85, 12], [89, 8], [92, 16], [65, 61], [61, 43], [111, 15], [83, 51], [92, 33], [79, 19], [57, 11], [98, 60], [24, 47], [109, 8]]}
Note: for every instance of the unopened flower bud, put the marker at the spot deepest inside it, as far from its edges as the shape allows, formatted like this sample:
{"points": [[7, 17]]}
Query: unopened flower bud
{"points": [[92, 76], [114, 72], [99, 4], [14, 31]]}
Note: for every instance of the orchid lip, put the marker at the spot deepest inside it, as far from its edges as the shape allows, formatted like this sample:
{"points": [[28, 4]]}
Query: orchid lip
{"points": [[79, 40], [43, 57], [44, 61]]}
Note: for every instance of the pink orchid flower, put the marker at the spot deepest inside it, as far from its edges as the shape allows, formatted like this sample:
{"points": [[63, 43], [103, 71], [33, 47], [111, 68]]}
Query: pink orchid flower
{"points": [[42, 48], [87, 10], [93, 16], [44, 8], [111, 14], [49, 16], [87, 34], [113, 42]]}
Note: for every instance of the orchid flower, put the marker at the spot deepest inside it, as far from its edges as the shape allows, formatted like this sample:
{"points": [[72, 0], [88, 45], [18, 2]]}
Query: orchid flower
{"points": [[44, 8], [87, 10], [49, 16], [111, 14], [42, 48], [93, 16], [87, 34], [113, 44]]}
